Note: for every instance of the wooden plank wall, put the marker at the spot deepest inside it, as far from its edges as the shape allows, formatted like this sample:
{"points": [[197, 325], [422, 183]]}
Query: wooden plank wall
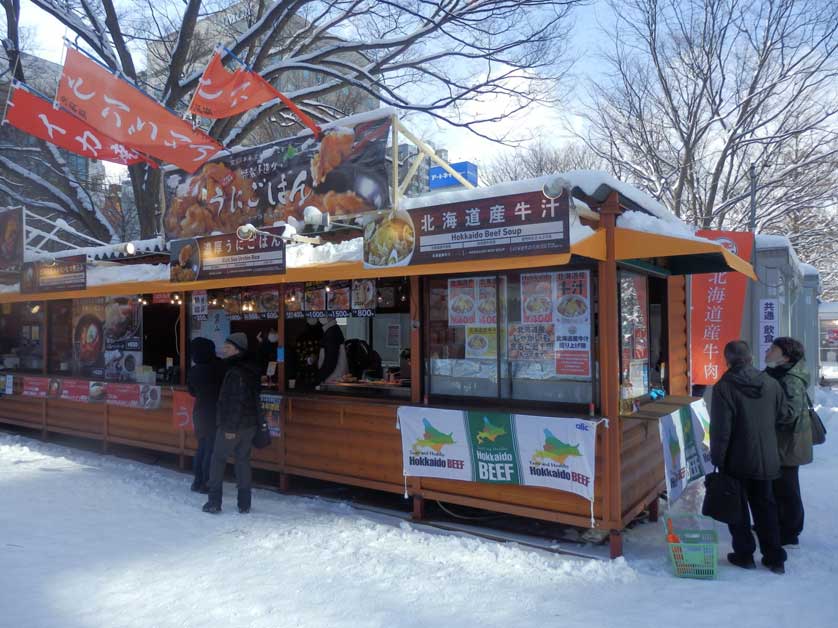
{"points": [[641, 472], [678, 341]]}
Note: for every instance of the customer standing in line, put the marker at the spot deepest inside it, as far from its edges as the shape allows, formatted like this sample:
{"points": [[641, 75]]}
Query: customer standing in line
{"points": [[203, 382], [238, 417], [744, 410], [785, 362]]}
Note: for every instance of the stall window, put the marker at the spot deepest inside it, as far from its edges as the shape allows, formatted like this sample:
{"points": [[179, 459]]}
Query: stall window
{"points": [[634, 335], [60, 338], [21, 331], [829, 342], [522, 336]]}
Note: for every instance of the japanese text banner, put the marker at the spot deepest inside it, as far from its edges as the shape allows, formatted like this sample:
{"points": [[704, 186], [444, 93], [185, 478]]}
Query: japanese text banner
{"points": [[222, 93], [120, 110], [36, 116], [718, 301]]}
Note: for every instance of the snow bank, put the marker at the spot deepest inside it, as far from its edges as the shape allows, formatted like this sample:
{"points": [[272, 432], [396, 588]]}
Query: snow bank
{"points": [[638, 221], [102, 273]]}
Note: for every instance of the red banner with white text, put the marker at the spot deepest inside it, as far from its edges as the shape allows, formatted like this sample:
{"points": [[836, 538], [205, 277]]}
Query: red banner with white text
{"points": [[37, 116], [718, 301], [121, 111]]}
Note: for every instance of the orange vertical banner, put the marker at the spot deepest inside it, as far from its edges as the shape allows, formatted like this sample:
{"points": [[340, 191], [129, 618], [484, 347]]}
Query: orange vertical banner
{"points": [[718, 302], [182, 405]]}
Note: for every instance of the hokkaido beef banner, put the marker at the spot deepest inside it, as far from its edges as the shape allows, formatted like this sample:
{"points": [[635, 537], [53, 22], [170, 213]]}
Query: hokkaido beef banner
{"points": [[499, 448], [121, 111], [488, 228], [36, 116], [345, 172], [718, 302], [683, 456], [11, 238]]}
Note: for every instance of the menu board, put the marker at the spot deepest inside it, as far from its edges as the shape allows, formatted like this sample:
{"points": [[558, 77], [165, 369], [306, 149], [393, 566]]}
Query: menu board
{"points": [[232, 304], [315, 300], [11, 238], [481, 343], [462, 302], [363, 297], [271, 405], [123, 326], [487, 301], [294, 301], [133, 396], [561, 300], [66, 273], [223, 256], [200, 304], [488, 228], [35, 387], [69, 389], [215, 326], [260, 304], [339, 299]]}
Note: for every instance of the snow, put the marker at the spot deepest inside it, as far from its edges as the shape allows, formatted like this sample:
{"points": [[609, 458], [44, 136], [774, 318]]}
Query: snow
{"points": [[155, 244], [638, 221], [300, 255], [808, 269], [103, 273], [765, 242], [92, 540]]}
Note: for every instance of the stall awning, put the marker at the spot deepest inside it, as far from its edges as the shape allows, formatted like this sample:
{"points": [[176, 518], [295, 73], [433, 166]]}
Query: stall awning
{"points": [[683, 256]]}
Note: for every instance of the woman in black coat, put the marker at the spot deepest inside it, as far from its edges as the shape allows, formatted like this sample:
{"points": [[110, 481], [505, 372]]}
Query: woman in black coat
{"points": [[204, 382]]}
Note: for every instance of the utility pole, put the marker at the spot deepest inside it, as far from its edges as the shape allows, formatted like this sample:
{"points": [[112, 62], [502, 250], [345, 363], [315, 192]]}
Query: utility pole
{"points": [[752, 223]]}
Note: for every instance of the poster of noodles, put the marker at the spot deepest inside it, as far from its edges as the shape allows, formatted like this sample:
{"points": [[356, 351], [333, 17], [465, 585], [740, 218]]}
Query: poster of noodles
{"points": [[462, 302], [343, 173], [481, 343], [572, 317]]}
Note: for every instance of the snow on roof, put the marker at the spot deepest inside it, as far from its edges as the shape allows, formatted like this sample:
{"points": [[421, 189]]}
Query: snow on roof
{"points": [[150, 245], [808, 269], [104, 273], [592, 183], [638, 221], [767, 241]]}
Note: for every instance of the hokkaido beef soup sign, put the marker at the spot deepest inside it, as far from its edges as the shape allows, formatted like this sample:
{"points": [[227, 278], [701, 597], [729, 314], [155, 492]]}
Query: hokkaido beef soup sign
{"points": [[502, 226], [345, 172]]}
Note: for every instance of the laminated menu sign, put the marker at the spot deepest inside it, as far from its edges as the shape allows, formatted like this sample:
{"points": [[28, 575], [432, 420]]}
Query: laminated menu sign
{"points": [[71, 389], [66, 273], [271, 405], [294, 301], [503, 226], [481, 343], [532, 342], [315, 300], [200, 304], [462, 305], [487, 304], [339, 299], [35, 387], [573, 324], [537, 298], [134, 395], [224, 256], [260, 304], [363, 297]]}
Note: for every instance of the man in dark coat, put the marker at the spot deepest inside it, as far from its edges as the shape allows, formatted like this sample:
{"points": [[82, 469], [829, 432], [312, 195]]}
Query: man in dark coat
{"points": [[237, 417], [204, 381], [785, 362], [743, 444], [332, 363]]}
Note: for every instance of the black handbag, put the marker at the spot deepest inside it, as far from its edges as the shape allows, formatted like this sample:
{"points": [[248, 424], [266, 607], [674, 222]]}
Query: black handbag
{"points": [[262, 437], [722, 498], [818, 428]]}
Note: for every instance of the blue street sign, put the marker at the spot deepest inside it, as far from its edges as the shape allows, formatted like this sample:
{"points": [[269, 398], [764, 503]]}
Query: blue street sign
{"points": [[438, 177]]}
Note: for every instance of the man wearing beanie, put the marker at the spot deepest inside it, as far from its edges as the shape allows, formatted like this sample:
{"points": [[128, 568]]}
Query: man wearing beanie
{"points": [[745, 407], [237, 418]]}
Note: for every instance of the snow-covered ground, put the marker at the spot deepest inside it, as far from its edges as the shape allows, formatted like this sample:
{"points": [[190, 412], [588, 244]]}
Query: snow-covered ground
{"points": [[93, 541]]}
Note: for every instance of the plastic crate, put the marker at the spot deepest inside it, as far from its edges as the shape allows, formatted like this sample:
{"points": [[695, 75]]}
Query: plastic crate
{"points": [[696, 555]]}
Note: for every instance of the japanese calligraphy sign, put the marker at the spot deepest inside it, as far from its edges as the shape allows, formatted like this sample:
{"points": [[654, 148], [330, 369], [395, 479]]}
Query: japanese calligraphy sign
{"points": [[122, 112], [504, 226], [36, 116], [227, 256], [532, 342], [11, 238], [222, 93], [67, 273], [718, 301], [769, 326], [345, 172]]}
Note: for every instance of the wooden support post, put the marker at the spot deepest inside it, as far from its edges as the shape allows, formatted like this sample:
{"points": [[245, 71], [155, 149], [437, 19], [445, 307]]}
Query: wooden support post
{"points": [[654, 510], [284, 482], [415, 341], [615, 543], [45, 337], [609, 368], [182, 342], [418, 508], [280, 341]]}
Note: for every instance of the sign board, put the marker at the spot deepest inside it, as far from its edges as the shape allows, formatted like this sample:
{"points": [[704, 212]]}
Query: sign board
{"points": [[66, 273], [439, 177], [224, 256], [11, 238], [490, 228], [769, 326], [343, 173]]}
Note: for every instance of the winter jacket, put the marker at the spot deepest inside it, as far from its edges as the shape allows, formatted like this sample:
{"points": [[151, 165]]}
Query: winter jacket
{"points": [[794, 429], [204, 382], [238, 401], [332, 364], [744, 410]]}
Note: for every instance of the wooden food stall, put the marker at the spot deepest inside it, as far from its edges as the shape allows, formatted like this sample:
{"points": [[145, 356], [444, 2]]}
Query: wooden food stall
{"points": [[504, 307]]}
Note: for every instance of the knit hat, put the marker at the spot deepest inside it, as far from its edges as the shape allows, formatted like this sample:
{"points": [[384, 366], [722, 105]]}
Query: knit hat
{"points": [[238, 340]]}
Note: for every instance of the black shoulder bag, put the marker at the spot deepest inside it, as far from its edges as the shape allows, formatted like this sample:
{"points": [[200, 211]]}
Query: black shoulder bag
{"points": [[722, 498], [818, 428]]}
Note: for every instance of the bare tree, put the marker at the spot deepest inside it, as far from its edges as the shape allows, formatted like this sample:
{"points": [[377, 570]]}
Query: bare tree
{"points": [[419, 55], [538, 159]]}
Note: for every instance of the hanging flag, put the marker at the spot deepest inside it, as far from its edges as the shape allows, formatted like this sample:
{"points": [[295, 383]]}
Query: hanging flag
{"points": [[36, 116], [123, 112], [222, 93]]}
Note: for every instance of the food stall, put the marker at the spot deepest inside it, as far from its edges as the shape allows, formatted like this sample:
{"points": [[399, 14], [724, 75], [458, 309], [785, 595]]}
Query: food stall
{"points": [[532, 320]]}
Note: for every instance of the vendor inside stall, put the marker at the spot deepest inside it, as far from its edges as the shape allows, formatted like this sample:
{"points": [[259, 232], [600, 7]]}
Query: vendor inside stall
{"points": [[21, 334]]}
